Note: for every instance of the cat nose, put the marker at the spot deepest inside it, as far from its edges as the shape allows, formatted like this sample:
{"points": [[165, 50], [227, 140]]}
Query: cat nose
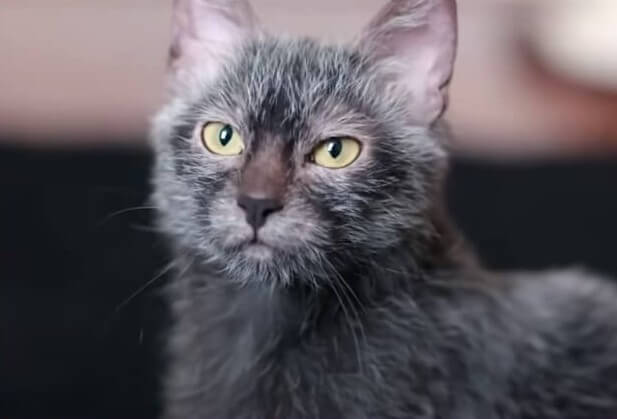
{"points": [[258, 209]]}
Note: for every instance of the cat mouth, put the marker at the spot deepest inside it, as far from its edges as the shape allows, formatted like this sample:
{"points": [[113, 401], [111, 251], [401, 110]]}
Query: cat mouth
{"points": [[257, 241]]}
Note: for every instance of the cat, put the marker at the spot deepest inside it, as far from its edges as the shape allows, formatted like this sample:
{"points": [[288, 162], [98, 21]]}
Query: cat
{"points": [[318, 274]]}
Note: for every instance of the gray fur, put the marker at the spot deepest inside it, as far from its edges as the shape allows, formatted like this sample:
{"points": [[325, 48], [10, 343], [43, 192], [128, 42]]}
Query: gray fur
{"points": [[368, 304]]}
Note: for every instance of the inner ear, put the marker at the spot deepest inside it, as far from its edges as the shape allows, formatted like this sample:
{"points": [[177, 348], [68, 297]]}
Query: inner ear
{"points": [[414, 42], [207, 33]]}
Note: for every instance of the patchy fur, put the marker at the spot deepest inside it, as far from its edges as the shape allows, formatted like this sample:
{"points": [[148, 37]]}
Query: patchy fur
{"points": [[363, 301]]}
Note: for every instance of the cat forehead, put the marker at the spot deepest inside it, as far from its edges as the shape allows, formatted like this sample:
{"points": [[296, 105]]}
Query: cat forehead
{"points": [[273, 65], [282, 85], [299, 62]]}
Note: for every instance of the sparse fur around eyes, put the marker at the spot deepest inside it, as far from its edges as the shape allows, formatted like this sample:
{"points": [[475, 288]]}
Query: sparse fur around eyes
{"points": [[355, 298]]}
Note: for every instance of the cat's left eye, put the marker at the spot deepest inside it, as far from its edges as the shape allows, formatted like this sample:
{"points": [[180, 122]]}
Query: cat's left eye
{"points": [[222, 139], [336, 153]]}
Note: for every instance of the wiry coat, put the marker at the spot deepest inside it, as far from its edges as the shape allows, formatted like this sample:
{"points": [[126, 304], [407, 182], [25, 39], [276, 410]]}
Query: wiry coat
{"points": [[371, 305]]}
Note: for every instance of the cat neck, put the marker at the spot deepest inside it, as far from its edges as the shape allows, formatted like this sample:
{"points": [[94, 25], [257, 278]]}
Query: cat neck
{"points": [[353, 282], [246, 327]]}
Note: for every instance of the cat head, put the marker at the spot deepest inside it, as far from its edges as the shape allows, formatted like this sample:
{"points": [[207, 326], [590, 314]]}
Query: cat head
{"points": [[280, 159]]}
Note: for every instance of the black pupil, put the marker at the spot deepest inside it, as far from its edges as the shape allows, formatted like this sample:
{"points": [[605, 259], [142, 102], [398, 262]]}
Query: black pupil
{"points": [[225, 135], [335, 147]]}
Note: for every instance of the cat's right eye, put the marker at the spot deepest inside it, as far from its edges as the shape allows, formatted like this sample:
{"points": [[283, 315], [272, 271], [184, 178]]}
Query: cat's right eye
{"points": [[221, 139]]}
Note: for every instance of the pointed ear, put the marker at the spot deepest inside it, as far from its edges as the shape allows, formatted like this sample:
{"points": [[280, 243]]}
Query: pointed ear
{"points": [[415, 41], [205, 33]]}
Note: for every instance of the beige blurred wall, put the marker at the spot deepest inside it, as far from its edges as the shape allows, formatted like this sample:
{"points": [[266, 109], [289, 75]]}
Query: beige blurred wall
{"points": [[79, 71], [74, 67]]}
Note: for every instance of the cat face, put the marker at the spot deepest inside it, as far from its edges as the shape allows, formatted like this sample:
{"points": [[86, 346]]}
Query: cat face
{"points": [[290, 157]]}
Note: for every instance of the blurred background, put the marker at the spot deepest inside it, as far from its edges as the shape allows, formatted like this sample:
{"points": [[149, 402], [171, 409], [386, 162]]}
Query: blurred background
{"points": [[533, 183]]}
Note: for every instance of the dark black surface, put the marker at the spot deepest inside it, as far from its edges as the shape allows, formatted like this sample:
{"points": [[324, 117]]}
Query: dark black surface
{"points": [[71, 347], [68, 347]]}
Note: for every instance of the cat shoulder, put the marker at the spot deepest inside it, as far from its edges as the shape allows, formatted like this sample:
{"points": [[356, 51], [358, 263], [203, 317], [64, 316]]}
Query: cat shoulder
{"points": [[577, 289], [575, 308]]}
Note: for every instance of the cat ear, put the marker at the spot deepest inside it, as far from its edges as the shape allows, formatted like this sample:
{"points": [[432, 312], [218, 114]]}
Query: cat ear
{"points": [[206, 33], [415, 42]]}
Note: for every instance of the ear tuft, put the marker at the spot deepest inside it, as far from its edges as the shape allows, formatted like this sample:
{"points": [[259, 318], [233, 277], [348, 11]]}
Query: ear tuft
{"points": [[206, 33], [415, 42]]}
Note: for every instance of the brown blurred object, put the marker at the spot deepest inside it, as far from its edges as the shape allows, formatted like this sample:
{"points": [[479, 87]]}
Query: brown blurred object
{"points": [[82, 72], [577, 40], [510, 100], [571, 51]]}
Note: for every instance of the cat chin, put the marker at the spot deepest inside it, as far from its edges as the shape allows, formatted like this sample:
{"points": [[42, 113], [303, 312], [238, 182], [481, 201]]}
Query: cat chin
{"points": [[258, 252]]}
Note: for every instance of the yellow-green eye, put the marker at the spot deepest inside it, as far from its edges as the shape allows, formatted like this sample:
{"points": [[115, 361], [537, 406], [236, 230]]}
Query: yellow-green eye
{"points": [[222, 139], [336, 153]]}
